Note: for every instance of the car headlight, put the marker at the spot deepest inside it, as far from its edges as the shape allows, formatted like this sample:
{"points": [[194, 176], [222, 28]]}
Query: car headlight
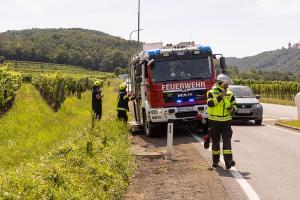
{"points": [[257, 105]]}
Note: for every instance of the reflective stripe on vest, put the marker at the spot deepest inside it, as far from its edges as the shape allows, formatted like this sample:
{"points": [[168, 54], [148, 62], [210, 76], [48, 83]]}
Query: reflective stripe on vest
{"points": [[122, 109]]}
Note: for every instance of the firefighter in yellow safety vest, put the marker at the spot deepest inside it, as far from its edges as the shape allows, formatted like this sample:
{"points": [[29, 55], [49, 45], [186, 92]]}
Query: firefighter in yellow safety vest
{"points": [[123, 99], [221, 103]]}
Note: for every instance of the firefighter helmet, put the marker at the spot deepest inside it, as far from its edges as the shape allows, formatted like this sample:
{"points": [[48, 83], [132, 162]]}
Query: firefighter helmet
{"points": [[224, 79], [97, 83], [123, 86]]}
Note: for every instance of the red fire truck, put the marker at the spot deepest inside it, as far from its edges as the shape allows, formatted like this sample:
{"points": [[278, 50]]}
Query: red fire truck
{"points": [[170, 84]]}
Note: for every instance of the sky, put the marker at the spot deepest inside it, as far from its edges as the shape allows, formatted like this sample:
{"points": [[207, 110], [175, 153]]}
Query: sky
{"points": [[235, 28]]}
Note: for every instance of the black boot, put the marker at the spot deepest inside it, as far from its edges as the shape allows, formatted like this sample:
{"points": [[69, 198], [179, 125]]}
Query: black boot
{"points": [[215, 164], [216, 159], [229, 164], [206, 141]]}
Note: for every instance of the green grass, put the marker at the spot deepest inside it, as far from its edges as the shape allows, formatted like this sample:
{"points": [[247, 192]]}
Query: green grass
{"points": [[64, 163], [30, 128], [277, 101], [294, 123]]}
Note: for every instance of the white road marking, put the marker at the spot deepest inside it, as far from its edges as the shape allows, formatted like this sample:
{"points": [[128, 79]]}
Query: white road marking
{"points": [[276, 116], [282, 129], [273, 119], [246, 187]]}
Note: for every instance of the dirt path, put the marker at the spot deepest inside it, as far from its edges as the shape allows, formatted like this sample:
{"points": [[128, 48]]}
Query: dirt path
{"points": [[188, 176]]}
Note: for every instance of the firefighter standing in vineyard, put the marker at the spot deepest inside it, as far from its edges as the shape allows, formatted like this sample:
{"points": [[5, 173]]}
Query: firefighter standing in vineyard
{"points": [[221, 103], [123, 99], [97, 99]]}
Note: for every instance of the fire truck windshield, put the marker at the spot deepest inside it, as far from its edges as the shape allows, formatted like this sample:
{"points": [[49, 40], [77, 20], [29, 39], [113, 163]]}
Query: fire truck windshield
{"points": [[175, 70]]}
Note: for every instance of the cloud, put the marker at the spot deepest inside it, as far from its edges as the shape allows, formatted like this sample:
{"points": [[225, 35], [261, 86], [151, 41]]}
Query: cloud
{"points": [[279, 7]]}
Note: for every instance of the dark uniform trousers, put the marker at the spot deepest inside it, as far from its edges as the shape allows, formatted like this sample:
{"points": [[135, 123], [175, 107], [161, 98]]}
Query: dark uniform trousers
{"points": [[220, 129], [122, 115]]}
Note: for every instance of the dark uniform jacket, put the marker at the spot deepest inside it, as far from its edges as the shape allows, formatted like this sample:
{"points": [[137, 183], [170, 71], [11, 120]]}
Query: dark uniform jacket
{"points": [[96, 103], [123, 100]]}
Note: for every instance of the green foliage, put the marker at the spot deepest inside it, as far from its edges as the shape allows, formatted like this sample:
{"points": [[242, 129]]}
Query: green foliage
{"points": [[2, 59], [56, 87], [293, 123], [31, 128], [236, 73], [92, 163], [285, 90], [9, 83], [91, 49], [120, 70], [283, 60], [28, 69]]}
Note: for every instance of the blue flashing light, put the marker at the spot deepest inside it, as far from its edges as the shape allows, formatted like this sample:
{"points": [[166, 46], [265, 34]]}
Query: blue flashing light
{"points": [[205, 49], [154, 52], [178, 100], [191, 100]]}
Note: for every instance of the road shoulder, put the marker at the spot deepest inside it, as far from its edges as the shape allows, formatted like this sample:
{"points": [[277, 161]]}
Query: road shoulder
{"points": [[282, 124], [188, 176]]}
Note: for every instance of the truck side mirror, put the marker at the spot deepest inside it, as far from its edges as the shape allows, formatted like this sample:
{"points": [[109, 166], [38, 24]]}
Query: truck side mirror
{"points": [[222, 63], [138, 79], [257, 96]]}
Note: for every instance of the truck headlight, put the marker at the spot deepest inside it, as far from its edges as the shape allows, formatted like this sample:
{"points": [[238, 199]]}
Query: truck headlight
{"points": [[156, 112]]}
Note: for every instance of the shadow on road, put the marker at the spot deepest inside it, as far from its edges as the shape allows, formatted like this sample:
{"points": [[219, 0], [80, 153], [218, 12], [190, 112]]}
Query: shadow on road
{"points": [[244, 123], [227, 173]]}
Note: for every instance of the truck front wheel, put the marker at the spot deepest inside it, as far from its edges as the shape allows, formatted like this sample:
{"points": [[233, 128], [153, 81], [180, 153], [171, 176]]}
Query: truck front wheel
{"points": [[151, 130]]}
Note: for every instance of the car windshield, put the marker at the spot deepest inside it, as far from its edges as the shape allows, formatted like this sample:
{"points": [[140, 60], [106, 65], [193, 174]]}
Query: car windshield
{"points": [[242, 92], [196, 68]]}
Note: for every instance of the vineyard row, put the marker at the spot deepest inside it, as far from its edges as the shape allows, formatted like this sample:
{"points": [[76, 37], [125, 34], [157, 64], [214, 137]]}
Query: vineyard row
{"points": [[9, 84], [55, 88], [285, 90]]}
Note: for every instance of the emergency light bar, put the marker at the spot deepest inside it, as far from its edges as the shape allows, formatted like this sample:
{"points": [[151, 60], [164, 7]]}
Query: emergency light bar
{"points": [[196, 51], [205, 49]]}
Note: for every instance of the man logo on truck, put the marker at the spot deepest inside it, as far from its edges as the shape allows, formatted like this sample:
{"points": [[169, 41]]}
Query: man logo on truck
{"points": [[185, 94]]}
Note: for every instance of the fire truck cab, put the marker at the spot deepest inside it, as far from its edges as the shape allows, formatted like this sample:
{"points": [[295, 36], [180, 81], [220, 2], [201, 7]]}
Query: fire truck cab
{"points": [[171, 83]]}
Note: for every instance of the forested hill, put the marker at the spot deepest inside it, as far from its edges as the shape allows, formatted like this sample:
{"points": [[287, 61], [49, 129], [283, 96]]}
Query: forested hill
{"points": [[88, 48], [284, 60]]}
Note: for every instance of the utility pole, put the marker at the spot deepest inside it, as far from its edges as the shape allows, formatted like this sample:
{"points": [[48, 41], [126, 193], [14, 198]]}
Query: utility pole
{"points": [[139, 8]]}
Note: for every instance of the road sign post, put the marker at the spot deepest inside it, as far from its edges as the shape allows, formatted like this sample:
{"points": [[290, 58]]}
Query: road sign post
{"points": [[297, 101], [170, 140]]}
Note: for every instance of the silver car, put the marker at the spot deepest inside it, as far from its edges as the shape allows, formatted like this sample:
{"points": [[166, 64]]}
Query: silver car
{"points": [[248, 106]]}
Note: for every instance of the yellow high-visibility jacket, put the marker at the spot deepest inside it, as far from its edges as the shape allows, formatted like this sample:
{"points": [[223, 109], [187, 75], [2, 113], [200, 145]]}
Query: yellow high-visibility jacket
{"points": [[217, 106]]}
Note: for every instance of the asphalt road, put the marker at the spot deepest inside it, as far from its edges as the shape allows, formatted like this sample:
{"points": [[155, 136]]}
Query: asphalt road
{"points": [[268, 156], [272, 111]]}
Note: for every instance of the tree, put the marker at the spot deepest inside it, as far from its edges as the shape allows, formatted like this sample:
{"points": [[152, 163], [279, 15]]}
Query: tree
{"points": [[2, 59]]}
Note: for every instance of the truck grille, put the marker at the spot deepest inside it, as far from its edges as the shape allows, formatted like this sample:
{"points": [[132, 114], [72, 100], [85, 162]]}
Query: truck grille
{"points": [[184, 96], [186, 114]]}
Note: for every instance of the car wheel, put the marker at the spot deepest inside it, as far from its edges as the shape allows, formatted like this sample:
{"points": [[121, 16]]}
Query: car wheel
{"points": [[258, 122]]}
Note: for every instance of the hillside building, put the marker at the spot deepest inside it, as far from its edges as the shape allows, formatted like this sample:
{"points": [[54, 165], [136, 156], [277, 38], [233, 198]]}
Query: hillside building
{"points": [[294, 46]]}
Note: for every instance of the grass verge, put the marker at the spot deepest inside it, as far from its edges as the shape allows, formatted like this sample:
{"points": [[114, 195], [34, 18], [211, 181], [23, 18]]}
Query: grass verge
{"points": [[277, 101], [95, 163], [292, 123], [30, 128]]}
